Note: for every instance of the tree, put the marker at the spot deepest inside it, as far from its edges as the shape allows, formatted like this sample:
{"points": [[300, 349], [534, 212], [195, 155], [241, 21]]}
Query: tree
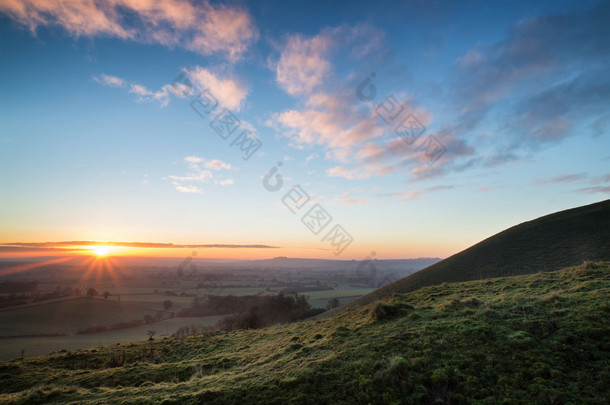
{"points": [[151, 333], [334, 303], [159, 316], [92, 292], [106, 294], [167, 304]]}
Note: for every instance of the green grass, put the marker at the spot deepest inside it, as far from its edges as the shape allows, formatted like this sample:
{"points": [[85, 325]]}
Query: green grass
{"points": [[540, 338]]}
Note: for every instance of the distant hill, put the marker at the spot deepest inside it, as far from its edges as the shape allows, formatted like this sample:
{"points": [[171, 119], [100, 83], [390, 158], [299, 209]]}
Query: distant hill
{"points": [[562, 239]]}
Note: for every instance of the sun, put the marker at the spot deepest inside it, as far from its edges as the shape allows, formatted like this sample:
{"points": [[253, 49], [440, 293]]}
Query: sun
{"points": [[101, 251]]}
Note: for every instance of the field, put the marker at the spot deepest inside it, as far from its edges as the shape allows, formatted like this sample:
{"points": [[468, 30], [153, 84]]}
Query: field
{"points": [[67, 316], [10, 348], [33, 324], [147, 297], [319, 299], [538, 338]]}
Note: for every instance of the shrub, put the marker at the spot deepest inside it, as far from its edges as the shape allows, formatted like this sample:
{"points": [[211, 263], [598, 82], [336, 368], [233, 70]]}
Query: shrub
{"points": [[471, 302], [551, 297], [381, 311]]}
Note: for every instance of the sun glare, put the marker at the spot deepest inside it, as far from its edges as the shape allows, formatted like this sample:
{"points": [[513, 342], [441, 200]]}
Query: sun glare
{"points": [[101, 251]]}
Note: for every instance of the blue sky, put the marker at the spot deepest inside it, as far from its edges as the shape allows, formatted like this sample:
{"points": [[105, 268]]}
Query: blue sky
{"points": [[503, 105]]}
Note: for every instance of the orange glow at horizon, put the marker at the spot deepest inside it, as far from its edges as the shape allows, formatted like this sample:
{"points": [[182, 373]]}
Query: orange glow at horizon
{"points": [[381, 250]]}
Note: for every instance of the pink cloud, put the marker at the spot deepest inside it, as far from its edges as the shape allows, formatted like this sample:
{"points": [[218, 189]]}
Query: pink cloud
{"points": [[330, 115], [200, 27], [303, 67], [229, 91]]}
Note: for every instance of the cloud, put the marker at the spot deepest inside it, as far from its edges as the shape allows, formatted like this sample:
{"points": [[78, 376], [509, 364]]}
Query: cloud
{"points": [[303, 67], [201, 27], [145, 95], [413, 194], [567, 178], [404, 195], [551, 68], [330, 116], [199, 171], [347, 198], [108, 80], [73, 244], [193, 159], [595, 190], [188, 189], [229, 92], [350, 174], [217, 165]]}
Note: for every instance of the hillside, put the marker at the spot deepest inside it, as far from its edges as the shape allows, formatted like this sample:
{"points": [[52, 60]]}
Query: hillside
{"points": [[551, 242], [539, 338]]}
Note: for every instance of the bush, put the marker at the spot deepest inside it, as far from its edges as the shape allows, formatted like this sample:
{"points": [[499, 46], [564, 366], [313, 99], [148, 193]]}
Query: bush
{"points": [[381, 311], [471, 302], [551, 297]]}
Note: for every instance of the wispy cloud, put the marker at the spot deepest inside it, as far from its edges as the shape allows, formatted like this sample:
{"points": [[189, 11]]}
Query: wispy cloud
{"points": [[229, 91], [595, 190], [329, 117], [348, 198], [552, 67], [403, 195], [188, 189], [416, 193], [597, 183], [566, 178], [200, 27], [81, 243], [108, 80], [217, 165], [200, 171]]}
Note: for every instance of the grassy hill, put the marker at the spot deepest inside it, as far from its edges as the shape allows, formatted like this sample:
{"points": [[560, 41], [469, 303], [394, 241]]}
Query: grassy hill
{"points": [[558, 240], [538, 338]]}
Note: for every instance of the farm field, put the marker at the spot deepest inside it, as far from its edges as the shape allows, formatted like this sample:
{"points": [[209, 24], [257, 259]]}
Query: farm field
{"points": [[10, 348], [319, 299], [67, 316]]}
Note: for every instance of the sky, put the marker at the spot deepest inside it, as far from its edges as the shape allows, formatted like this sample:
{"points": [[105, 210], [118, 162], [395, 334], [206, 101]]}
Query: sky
{"points": [[338, 130]]}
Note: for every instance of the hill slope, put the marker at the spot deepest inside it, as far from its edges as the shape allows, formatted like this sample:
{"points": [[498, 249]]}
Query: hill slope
{"points": [[539, 338], [562, 239]]}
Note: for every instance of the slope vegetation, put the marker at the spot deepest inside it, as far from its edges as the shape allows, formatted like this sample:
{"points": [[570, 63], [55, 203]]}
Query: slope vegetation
{"points": [[538, 338]]}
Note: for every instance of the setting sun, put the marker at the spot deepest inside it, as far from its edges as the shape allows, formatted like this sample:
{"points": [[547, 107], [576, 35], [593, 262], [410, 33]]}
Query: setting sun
{"points": [[101, 251]]}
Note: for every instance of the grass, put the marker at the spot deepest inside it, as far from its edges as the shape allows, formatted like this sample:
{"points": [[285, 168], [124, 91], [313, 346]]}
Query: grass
{"points": [[538, 338]]}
